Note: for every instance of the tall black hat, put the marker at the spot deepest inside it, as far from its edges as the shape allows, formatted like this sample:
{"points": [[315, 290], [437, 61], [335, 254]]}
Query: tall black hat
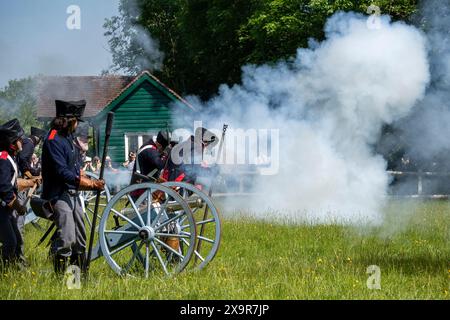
{"points": [[11, 131], [68, 109], [163, 138], [40, 133]]}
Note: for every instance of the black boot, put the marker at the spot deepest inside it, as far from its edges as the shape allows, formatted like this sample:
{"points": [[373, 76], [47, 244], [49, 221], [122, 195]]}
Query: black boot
{"points": [[78, 259], [59, 264]]}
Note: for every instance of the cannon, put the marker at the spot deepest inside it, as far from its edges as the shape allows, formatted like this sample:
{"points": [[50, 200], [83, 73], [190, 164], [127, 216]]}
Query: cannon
{"points": [[157, 231], [163, 214], [155, 228]]}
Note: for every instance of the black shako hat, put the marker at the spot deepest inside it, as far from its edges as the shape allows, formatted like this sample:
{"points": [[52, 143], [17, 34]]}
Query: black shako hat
{"points": [[11, 131], [40, 133], [163, 138], [68, 109]]}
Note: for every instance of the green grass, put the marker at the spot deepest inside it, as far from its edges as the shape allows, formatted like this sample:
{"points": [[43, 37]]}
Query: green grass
{"points": [[263, 260]]}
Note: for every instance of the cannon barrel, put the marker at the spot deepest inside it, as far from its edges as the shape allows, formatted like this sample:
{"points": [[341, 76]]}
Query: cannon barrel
{"points": [[192, 203], [171, 207]]}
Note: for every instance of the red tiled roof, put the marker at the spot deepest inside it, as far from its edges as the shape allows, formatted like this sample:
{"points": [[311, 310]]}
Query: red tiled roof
{"points": [[98, 92]]}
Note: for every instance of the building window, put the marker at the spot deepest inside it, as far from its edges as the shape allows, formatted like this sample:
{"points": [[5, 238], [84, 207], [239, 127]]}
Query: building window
{"points": [[134, 140]]}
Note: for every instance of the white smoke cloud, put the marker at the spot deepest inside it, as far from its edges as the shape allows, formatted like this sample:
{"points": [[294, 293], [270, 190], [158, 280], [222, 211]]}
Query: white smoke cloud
{"points": [[426, 130], [151, 57], [142, 48], [330, 104]]}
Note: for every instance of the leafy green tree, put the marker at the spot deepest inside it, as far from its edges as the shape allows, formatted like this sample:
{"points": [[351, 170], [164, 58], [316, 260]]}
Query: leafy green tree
{"points": [[206, 42], [279, 27], [213, 49], [17, 100]]}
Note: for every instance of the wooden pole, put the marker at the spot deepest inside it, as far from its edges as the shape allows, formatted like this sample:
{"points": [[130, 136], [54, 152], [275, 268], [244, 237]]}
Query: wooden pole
{"points": [[109, 123]]}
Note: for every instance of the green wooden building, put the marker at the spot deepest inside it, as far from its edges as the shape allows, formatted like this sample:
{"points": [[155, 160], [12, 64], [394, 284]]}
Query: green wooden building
{"points": [[142, 106]]}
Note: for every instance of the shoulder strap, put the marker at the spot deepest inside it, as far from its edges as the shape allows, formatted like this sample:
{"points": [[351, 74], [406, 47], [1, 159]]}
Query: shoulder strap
{"points": [[13, 163]]}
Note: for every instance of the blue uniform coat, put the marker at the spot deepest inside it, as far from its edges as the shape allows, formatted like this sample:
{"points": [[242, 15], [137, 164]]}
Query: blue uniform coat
{"points": [[60, 167]]}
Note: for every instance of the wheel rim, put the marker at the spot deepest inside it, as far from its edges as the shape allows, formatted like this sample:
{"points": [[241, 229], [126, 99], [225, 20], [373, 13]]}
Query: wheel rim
{"points": [[144, 244], [210, 224]]}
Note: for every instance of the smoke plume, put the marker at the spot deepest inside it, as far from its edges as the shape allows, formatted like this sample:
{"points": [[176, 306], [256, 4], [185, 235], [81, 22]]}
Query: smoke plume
{"points": [[329, 103], [133, 47], [426, 130]]}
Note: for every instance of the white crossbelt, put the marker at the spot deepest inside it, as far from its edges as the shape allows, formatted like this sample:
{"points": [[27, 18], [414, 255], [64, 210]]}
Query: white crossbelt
{"points": [[138, 168], [13, 163]]}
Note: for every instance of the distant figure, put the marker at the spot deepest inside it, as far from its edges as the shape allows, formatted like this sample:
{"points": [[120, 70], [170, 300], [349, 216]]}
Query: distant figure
{"points": [[36, 163], [129, 164], [96, 165], [108, 165], [87, 166]]}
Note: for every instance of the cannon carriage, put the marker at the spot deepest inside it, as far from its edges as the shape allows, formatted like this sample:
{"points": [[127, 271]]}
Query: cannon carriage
{"points": [[153, 228]]}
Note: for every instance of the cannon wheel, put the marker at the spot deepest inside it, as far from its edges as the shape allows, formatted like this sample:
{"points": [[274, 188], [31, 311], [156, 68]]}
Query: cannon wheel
{"points": [[208, 223], [88, 200], [141, 245]]}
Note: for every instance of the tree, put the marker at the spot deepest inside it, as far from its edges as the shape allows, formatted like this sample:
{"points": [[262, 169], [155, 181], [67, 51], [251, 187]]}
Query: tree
{"points": [[17, 100], [213, 49], [279, 27], [133, 49], [206, 42]]}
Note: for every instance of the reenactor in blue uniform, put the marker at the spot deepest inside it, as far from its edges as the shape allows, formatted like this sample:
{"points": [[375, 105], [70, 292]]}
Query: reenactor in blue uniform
{"points": [[149, 160], [184, 163], [62, 181], [11, 208], [187, 166]]}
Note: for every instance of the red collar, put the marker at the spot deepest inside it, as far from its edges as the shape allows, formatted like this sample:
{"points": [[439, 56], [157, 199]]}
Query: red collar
{"points": [[52, 134]]}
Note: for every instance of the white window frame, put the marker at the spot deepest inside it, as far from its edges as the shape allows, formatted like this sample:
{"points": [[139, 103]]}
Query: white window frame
{"points": [[140, 136]]}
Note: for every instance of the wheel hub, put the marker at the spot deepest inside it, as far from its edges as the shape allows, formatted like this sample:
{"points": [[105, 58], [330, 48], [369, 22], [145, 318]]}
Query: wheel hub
{"points": [[147, 233]]}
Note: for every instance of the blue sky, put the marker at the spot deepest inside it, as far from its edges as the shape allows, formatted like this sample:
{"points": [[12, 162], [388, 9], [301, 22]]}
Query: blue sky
{"points": [[34, 38]]}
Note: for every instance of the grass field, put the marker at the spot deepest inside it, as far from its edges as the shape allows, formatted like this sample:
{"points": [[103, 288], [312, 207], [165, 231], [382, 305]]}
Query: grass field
{"points": [[263, 260]]}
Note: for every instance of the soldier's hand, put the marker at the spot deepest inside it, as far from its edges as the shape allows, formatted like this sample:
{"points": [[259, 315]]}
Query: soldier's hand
{"points": [[99, 185], [28, 174], [37, 180], [91, 184]]}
